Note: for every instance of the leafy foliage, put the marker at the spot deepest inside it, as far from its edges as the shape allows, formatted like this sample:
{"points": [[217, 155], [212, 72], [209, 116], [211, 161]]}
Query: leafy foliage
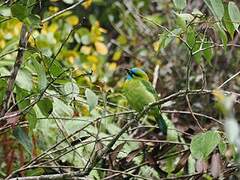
{"points": [[66, 113]]}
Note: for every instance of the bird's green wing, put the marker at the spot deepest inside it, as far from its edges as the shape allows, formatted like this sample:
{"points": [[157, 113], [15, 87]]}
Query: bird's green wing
{"points": [[155, 111], [150, 88]]}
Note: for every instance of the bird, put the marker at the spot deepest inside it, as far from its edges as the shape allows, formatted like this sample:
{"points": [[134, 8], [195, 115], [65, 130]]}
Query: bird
{"points": [[139, 93]]}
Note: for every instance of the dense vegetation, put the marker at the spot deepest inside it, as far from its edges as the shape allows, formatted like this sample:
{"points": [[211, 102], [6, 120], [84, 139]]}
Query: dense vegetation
{"points": [[62, 111]]}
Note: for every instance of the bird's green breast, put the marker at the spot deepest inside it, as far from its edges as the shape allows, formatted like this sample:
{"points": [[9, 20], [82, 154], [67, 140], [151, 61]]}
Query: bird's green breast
{"points": [[138, 94]]}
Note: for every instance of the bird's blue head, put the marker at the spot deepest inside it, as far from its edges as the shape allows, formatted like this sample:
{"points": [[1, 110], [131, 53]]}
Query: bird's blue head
{"points": [[136, 73]]}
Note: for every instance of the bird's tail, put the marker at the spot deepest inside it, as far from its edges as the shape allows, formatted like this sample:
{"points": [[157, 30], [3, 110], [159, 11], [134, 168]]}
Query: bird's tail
{"points": [[161, 123]]}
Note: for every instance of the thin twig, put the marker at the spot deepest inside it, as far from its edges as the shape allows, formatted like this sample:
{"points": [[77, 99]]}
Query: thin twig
{"points": [[196, 114], [9, 52], [229, 79], [62, 11], [194, 117]]}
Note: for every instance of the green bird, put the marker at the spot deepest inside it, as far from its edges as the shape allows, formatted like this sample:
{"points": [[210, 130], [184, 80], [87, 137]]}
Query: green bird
{"points": [[139, 93]]}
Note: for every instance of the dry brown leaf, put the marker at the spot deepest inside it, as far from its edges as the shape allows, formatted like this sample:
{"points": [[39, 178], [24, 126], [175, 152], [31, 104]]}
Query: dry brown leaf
{"points": [[201, 166], [216, 165]]}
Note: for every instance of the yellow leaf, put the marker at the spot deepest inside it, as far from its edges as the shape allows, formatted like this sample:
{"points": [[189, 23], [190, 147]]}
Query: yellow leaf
{"points": [[112, 66], [53, 9], [121, 39], [85, 110], [101, 48], [17, 28], [31, 41], [71, 56], [44, 29], [117, 55], [72, 20], [102, 30], [2, 43], [92, 59], [87, 4], [71, 59], [53, 27], [156, 45], [85, 50]]}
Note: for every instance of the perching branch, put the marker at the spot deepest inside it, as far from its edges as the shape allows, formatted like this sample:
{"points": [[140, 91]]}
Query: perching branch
{"points": [[24, 36]]}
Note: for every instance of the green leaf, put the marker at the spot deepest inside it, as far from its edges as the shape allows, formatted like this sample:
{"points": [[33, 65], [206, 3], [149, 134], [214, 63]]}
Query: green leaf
{"points": [[222, 146], [71, 90], [185, 16], [24, 80], [223, 37], [85, 35], [46, 106], [228, 23], [23, 138], [234, 14], [60, 109], [208, 53], [3, 88], [55, 68], [19, 11], [166, 38], [30, 5], [32, 119], [197, 56], [218, 8], [42, 78], [33, 21], [191, 37], [203, 144], [180, 4], [22, 99], [92, 99]]}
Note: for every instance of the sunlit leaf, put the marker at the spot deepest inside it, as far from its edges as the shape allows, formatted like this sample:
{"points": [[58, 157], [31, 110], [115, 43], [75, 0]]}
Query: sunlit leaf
{"points": [[61, 109], [228, 23], [222, 146], [203, 144], [101, 48], [180, 4], [217, 10], [92, 99], [24, 80], [191, 39], [72, 20], [71, 90], [42, 78], [234, 14], [117, 55]]}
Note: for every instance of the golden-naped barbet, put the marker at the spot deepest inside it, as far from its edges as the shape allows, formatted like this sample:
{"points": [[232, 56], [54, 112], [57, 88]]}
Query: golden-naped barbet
{"points": [[140, 93]]}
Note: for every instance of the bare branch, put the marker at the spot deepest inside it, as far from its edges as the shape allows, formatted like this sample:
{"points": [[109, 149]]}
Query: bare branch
{"points": [[24, 36]]}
